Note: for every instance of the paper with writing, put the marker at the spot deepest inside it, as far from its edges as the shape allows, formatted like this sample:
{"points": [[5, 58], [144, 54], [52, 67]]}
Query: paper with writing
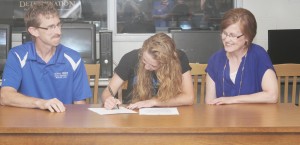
{"points": [[103, 111], [158, 111]]}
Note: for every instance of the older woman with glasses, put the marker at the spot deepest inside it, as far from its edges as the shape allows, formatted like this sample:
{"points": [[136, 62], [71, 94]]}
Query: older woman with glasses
{"points": [[242, 72]]}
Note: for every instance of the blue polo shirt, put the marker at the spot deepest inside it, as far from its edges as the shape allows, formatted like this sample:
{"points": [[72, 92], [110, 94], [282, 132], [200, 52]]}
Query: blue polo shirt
{"points": [[63, 77]]}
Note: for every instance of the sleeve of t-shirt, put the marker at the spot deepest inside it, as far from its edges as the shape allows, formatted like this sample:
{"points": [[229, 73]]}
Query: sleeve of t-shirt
{"points": [[210, 67], [12, 74], [264, 63], [124, 66], [184, 62]]}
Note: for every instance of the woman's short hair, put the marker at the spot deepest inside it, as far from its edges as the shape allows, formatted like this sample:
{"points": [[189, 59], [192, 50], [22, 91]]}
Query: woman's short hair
{"points": [[246, 20]]}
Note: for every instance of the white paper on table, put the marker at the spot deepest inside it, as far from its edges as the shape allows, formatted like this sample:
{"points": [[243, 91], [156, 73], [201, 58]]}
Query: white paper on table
{"points": [[103, 111], [158, 111]]}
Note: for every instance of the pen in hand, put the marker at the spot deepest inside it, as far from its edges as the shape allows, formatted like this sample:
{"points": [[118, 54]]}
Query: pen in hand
{"points": [[111, 92]]}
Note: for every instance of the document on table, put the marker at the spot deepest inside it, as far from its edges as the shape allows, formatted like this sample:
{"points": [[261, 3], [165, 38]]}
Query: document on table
{"points": [[158, 111], [103, 111]]}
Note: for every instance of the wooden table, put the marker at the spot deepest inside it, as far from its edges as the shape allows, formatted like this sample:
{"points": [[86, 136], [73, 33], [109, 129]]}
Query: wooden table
{"points": [[253, 124]]}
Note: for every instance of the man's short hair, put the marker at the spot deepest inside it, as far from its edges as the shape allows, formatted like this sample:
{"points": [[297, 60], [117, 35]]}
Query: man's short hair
{"points": [[44, 8]]}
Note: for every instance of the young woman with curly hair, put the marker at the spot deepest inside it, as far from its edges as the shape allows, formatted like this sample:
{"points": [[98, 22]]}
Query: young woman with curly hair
{"points": [[158, 75]]}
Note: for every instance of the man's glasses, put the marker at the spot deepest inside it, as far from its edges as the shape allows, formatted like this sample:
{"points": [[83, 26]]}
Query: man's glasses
{"points": [[231, 36], [51, 27]]}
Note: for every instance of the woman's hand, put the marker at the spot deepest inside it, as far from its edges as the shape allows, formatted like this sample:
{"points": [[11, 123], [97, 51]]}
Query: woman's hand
{"points": [[143, 104], [221, 101], [111, 103]]}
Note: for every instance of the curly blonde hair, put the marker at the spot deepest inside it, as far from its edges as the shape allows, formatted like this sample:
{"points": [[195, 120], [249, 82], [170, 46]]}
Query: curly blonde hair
{"points": [[169, 74]]}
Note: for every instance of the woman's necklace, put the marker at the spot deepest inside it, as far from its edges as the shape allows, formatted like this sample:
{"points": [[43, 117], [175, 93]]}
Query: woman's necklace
{"points": [[241, 81]]}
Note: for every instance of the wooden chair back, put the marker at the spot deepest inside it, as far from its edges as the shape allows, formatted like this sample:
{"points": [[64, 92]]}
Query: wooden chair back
{"points": [[198, 73], [288, 78], [93, 71]]}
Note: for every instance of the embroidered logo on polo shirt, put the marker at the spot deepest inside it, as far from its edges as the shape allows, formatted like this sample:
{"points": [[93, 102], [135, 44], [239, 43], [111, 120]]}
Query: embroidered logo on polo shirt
{"points": [[22, 61], [72, 62], [61, 75]]}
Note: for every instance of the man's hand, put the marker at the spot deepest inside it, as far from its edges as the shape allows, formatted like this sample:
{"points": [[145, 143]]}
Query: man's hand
{"points": [[53, 105]]}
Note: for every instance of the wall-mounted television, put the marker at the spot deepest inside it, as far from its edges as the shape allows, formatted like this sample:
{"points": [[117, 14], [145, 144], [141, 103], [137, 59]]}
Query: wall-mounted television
{"points": [[198, 45], [78, 36], [284, 46], [5, 44]]}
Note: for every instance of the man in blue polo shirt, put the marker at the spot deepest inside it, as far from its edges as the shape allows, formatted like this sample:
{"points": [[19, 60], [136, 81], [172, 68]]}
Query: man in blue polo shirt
{"points": [[43, 73]]}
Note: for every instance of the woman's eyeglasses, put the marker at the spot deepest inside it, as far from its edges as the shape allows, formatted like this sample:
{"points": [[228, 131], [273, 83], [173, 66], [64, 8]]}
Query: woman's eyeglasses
{"points": [[233, 37]]}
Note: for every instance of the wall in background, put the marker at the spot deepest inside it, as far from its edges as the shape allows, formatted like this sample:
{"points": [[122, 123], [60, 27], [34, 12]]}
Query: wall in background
{"points": [[273, 14], [270, 14]]}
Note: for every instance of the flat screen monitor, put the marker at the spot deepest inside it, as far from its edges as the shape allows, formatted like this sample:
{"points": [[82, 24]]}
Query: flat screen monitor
{"points": [[198, 45], [78, 36], [5, 44], [82, 38], [284, 46]]}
